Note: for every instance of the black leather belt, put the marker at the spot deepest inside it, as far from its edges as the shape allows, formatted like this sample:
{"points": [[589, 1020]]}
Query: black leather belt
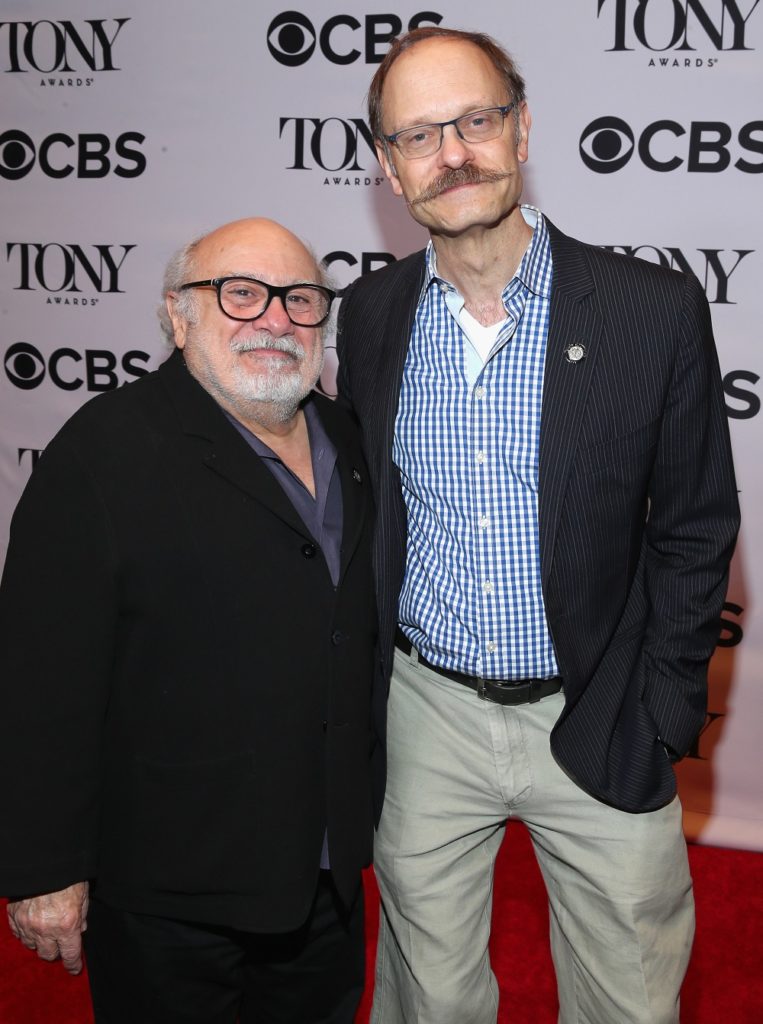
{"points": [[499, 691]]}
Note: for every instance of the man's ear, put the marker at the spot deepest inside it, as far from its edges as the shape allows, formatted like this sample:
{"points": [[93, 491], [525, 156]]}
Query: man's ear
{"points": [[524, 122], [385, 159], [179, 323]]}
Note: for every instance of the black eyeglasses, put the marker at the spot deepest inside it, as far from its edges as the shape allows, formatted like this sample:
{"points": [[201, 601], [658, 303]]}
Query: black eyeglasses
{"points": [[245, 298], [426, 139]]}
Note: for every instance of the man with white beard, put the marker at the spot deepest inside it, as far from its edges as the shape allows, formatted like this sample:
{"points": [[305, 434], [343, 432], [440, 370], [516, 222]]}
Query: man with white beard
{"points": [[187, 628]]}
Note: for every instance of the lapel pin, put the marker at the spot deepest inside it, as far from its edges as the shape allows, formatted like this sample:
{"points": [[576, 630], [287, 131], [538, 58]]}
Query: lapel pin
{"points": [[575, 352], [356, 476]]}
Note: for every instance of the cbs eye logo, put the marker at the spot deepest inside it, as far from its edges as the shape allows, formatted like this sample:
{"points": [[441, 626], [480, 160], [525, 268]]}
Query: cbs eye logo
{"points": [[24, 366], [16, 154], [291, 39], [606, 145]]}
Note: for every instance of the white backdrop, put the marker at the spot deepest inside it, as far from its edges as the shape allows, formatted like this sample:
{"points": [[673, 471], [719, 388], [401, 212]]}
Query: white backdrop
{"points": [[128, 128]]}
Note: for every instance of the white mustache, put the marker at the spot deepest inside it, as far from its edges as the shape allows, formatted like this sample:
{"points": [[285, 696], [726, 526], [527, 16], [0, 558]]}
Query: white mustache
{"points": [[264, 339]]}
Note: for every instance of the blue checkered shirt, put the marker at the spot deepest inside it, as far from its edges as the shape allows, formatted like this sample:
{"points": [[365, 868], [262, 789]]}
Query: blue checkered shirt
{"points": [[467, 444]]}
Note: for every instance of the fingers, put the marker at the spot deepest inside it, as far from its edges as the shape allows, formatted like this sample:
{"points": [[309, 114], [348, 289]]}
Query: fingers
{"points": [[70, 949], [67, 946], [12, 923], [47, 949], [52, 924]]}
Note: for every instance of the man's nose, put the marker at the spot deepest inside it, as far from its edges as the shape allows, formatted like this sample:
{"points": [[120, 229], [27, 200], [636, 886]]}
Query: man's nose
{"points": [[275, 319], [455, 151]]}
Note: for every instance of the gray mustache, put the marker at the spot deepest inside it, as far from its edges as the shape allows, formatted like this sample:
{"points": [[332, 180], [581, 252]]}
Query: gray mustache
{"points": [[263, 339]]}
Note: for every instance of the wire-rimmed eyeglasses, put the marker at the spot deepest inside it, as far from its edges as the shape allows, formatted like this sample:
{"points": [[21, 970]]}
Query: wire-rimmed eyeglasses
{"points": [[426, 139], [246, 298]]}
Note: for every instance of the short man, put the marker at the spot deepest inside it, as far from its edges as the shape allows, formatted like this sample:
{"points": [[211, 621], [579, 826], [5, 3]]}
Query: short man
{"points": [[546, 434], [187, 632]]}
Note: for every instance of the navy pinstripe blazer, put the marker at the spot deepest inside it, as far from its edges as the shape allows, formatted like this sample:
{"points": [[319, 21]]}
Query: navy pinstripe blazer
{"points": [[638, 510]]}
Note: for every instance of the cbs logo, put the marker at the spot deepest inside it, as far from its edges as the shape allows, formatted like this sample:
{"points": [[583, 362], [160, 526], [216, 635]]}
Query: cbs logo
{"points": [[90, 155], [26, 367], [608, 143], [292, 38]]}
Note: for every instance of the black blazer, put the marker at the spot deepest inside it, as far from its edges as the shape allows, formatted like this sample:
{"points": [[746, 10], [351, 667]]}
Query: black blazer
{"points": [[637, 501], [185, 695]]}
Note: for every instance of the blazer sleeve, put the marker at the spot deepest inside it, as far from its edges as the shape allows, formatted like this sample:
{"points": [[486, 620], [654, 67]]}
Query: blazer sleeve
{"points": [[691, 529], [57, 633]]}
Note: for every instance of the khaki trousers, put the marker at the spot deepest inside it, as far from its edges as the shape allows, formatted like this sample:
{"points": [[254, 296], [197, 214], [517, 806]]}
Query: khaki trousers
{"points": [[618, 884]]}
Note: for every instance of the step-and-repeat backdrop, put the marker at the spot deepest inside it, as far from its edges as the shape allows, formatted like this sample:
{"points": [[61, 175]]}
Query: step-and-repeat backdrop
{"points": [[130, 127]]}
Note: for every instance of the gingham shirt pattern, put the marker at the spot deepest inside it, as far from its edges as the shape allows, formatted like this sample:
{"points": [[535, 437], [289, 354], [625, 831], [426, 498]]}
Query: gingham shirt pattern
{"points": [[468, 456]]}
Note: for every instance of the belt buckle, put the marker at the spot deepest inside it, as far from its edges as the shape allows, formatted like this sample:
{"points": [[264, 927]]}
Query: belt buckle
{"points": [[533, 688], [481, 691]]}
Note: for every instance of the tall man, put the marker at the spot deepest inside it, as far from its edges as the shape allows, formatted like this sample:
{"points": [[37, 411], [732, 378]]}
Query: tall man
{"points": [[187, 632], [546, 434]]}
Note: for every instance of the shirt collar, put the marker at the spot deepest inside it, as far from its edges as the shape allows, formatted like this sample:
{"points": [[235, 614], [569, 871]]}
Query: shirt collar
{"points": [[534, 271], [320, 445]]}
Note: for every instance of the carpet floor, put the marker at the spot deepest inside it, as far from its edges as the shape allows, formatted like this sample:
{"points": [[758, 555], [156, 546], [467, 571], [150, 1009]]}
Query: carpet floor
{"points": [[724, 984]]}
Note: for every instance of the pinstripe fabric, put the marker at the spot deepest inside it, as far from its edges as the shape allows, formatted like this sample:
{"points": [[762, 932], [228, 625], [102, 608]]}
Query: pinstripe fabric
{"points": [[636, 495], [468, 455]]}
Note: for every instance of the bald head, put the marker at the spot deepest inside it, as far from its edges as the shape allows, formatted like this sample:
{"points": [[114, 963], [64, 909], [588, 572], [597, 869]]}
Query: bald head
{"points": [[282, 257], [260, 246]]}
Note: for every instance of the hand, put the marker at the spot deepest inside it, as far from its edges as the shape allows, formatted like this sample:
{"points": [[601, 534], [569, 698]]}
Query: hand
{"points": [[53, 924]]}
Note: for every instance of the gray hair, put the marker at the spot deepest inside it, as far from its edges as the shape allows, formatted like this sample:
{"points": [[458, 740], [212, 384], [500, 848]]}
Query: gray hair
{"points": [[177, 272]]}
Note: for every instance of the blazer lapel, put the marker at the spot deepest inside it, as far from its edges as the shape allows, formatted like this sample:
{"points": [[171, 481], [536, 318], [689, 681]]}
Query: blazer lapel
{"points": [[573, 343], [392, 333], [220, 447]]}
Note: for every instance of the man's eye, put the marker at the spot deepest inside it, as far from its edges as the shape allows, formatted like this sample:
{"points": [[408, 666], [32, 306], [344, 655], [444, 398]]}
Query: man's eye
{"points": [[240, 292], [481, 122], [419, 136]]}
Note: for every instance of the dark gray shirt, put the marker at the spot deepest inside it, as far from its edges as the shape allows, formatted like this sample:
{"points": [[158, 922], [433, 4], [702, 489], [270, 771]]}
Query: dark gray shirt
{"points": [[322, 514]]}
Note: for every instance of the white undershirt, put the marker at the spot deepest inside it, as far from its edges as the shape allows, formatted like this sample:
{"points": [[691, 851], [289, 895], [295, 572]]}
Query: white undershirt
{"points": [[481, 338]]}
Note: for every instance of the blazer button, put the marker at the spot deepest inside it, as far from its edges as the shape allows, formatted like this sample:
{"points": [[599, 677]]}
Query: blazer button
{"points": [[309, 550], [337, 637]]}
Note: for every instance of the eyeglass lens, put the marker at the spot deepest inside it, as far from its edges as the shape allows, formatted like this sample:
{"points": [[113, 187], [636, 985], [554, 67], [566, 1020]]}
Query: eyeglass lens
{"points": [[480, 126], [246, 299]]}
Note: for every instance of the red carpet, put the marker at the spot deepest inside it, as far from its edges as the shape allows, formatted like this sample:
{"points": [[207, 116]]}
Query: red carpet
{"points": [[723, 984]]}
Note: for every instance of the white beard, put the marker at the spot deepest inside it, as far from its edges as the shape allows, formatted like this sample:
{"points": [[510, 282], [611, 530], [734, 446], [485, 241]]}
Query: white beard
{"points": [[279, 386]]}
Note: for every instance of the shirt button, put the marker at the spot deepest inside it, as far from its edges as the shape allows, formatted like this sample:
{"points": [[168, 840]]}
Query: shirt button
{"points": [[491, 647], [488, 587], [309, 550], [484, 523], [479, 392], [481, 457]]}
